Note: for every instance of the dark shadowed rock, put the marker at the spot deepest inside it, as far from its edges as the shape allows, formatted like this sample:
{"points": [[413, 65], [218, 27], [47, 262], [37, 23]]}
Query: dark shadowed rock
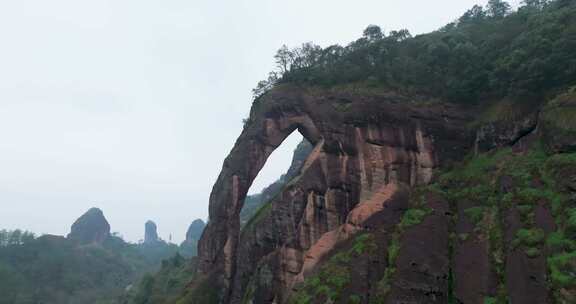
{"points": [[424, 278], [91, 227], [150, 232]]}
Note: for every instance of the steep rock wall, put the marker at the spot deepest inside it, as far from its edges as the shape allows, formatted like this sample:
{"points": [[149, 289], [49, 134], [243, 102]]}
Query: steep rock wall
{"points": [[367, 150]]}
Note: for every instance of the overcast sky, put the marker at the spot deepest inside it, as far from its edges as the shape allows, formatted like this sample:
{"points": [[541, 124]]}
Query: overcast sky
{"points": [[131, 106]]}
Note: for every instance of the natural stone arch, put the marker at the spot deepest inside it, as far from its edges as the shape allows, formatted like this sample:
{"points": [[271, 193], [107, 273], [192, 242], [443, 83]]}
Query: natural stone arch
{"points": [[265, 131], [367, 147]]}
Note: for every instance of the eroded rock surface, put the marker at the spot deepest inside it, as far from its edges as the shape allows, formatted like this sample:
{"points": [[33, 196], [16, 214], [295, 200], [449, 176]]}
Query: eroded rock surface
{"points": [[366, 147]]}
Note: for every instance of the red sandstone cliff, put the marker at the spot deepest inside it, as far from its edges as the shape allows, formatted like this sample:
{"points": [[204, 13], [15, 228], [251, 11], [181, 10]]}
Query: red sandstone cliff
{"points": [[369, 150]]}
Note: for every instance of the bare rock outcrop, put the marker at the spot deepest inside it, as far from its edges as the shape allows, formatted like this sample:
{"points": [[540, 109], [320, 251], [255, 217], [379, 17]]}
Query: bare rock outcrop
{"points": [[150, 232], [189, 247], [90, 228]]}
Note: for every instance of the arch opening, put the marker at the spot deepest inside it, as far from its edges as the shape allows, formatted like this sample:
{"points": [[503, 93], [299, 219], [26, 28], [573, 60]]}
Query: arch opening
{"points": [[280, 167]]}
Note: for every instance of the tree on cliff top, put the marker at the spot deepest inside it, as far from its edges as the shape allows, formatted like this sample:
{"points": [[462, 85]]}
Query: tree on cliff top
{"points": [[498, 8], [486, 54]]}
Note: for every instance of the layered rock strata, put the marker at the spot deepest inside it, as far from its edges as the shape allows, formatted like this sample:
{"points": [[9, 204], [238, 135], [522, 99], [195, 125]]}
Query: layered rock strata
{"points": [[368, 149]]}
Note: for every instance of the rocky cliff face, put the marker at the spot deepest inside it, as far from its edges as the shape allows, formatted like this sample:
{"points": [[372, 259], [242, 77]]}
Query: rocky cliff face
{"points": [[369, 150], [91, 227], [150, 232], [387, 209]]}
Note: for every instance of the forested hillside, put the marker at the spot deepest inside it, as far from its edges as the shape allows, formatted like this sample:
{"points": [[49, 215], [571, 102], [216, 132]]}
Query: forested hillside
{"points": [[488, 53], [91, 265], [52, 269]]}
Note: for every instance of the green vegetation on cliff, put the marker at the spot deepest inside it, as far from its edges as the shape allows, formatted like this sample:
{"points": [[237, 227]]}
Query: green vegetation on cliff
{"points": [[329, 283], [526, 185], [166, 285], [502, 185], [488, 53]]}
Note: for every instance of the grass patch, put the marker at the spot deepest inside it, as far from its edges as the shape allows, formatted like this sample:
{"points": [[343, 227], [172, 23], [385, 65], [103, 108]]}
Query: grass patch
{"points": [[363, 243], [563, 270], [532, 252], [475, 214], [414, 217]]}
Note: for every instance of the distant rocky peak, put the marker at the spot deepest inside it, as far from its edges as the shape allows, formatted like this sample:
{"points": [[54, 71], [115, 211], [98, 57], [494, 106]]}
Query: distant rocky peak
{"points": [[91, 227], [150, 233], [195, 230]]}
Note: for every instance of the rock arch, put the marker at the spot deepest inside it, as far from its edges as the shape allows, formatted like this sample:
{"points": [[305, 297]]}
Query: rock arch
{"points": [[260, 137], [366, 148]]}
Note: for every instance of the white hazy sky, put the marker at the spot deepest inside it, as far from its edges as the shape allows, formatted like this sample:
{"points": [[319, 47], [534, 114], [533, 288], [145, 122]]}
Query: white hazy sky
{"points": [[131, 106]]}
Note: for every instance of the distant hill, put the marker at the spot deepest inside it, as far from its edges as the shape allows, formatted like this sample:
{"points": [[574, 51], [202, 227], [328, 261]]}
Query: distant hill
{"points": [[91, 265], [189, 247]]}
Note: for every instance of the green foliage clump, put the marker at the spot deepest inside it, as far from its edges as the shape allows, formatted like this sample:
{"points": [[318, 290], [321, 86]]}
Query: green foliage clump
{"points": [[206, 292], [363, 243], [562, 269], [413, 217], [165, 285], [570, 224], [328, 284], [558, 242], [393, 250], [529, 237], [15, 237], [532, 252], [490, 300], [334, 276], [475, 214], [383, 286]]}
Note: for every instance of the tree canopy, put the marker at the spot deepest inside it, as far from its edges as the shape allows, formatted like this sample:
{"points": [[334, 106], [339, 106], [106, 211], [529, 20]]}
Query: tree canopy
{"points": [[488, 53]]}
